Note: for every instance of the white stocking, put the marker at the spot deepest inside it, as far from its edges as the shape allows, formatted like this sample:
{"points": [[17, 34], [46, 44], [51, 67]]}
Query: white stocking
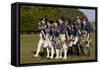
{"points": [[57, 54], [48, 52], [39, 47], [52, 52], [65, 54]]}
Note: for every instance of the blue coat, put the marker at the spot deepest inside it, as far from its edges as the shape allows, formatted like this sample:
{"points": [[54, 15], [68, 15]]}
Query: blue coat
{"points": [[86, 28], [72, 31], [62, 28], [48, 30], [55, 31]]}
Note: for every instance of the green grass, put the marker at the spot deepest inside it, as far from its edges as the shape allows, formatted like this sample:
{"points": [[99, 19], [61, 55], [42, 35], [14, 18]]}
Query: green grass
{"points": [[28, 45]]}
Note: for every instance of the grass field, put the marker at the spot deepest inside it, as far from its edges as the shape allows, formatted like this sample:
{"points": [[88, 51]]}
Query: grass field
{"points": [[28, 46]]}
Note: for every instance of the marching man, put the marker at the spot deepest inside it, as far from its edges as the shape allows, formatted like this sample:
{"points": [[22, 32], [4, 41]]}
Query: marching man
{"points": [[86, 29], [55, 38], [47, 43], [41, 28], [62, 35]]}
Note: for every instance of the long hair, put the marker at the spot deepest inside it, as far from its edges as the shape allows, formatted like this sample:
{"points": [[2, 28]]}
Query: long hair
{"points": [[85, 18]]}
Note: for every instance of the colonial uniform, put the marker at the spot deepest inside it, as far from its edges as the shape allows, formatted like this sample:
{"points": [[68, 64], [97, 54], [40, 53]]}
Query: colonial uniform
{"points": [[62, 36], [86, 30], [55, 35], [55, 38], [42, 38]]}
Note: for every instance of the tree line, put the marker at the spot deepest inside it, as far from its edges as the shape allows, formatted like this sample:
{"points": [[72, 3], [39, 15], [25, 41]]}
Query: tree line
{"points": [[30, 16]]}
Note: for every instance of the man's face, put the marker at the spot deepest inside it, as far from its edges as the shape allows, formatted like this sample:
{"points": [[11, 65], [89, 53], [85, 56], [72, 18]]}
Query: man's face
{"points": [[48, 24], [84, 22], [78, 21], [43, 22], [60, 21], [55, 24]]}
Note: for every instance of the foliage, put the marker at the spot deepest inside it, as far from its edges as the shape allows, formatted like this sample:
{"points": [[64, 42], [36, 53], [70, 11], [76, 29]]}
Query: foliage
{"points": [[30, 15]]}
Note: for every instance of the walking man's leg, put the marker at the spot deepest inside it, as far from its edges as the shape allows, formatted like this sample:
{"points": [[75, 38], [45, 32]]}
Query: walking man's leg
{"points": [[39, 47]]}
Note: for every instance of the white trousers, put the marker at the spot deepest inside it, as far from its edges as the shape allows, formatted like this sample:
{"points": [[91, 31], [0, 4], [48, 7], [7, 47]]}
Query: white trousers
{"points": [[64, 48], [76, 40], [48, 46], [41, 42]]}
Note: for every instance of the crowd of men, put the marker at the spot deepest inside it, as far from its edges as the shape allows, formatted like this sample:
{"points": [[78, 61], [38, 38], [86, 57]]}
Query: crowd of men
{"points": [[62, 37]]}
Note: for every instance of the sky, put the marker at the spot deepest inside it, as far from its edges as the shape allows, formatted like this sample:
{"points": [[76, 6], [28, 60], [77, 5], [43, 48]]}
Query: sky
{"points": [[90, 13]]}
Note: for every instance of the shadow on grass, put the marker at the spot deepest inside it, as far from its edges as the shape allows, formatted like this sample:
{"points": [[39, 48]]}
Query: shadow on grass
{"points": [[42, 54]]}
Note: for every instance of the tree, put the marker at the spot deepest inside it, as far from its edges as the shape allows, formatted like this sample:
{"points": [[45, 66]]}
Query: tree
{"points": [[30, 15]]}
